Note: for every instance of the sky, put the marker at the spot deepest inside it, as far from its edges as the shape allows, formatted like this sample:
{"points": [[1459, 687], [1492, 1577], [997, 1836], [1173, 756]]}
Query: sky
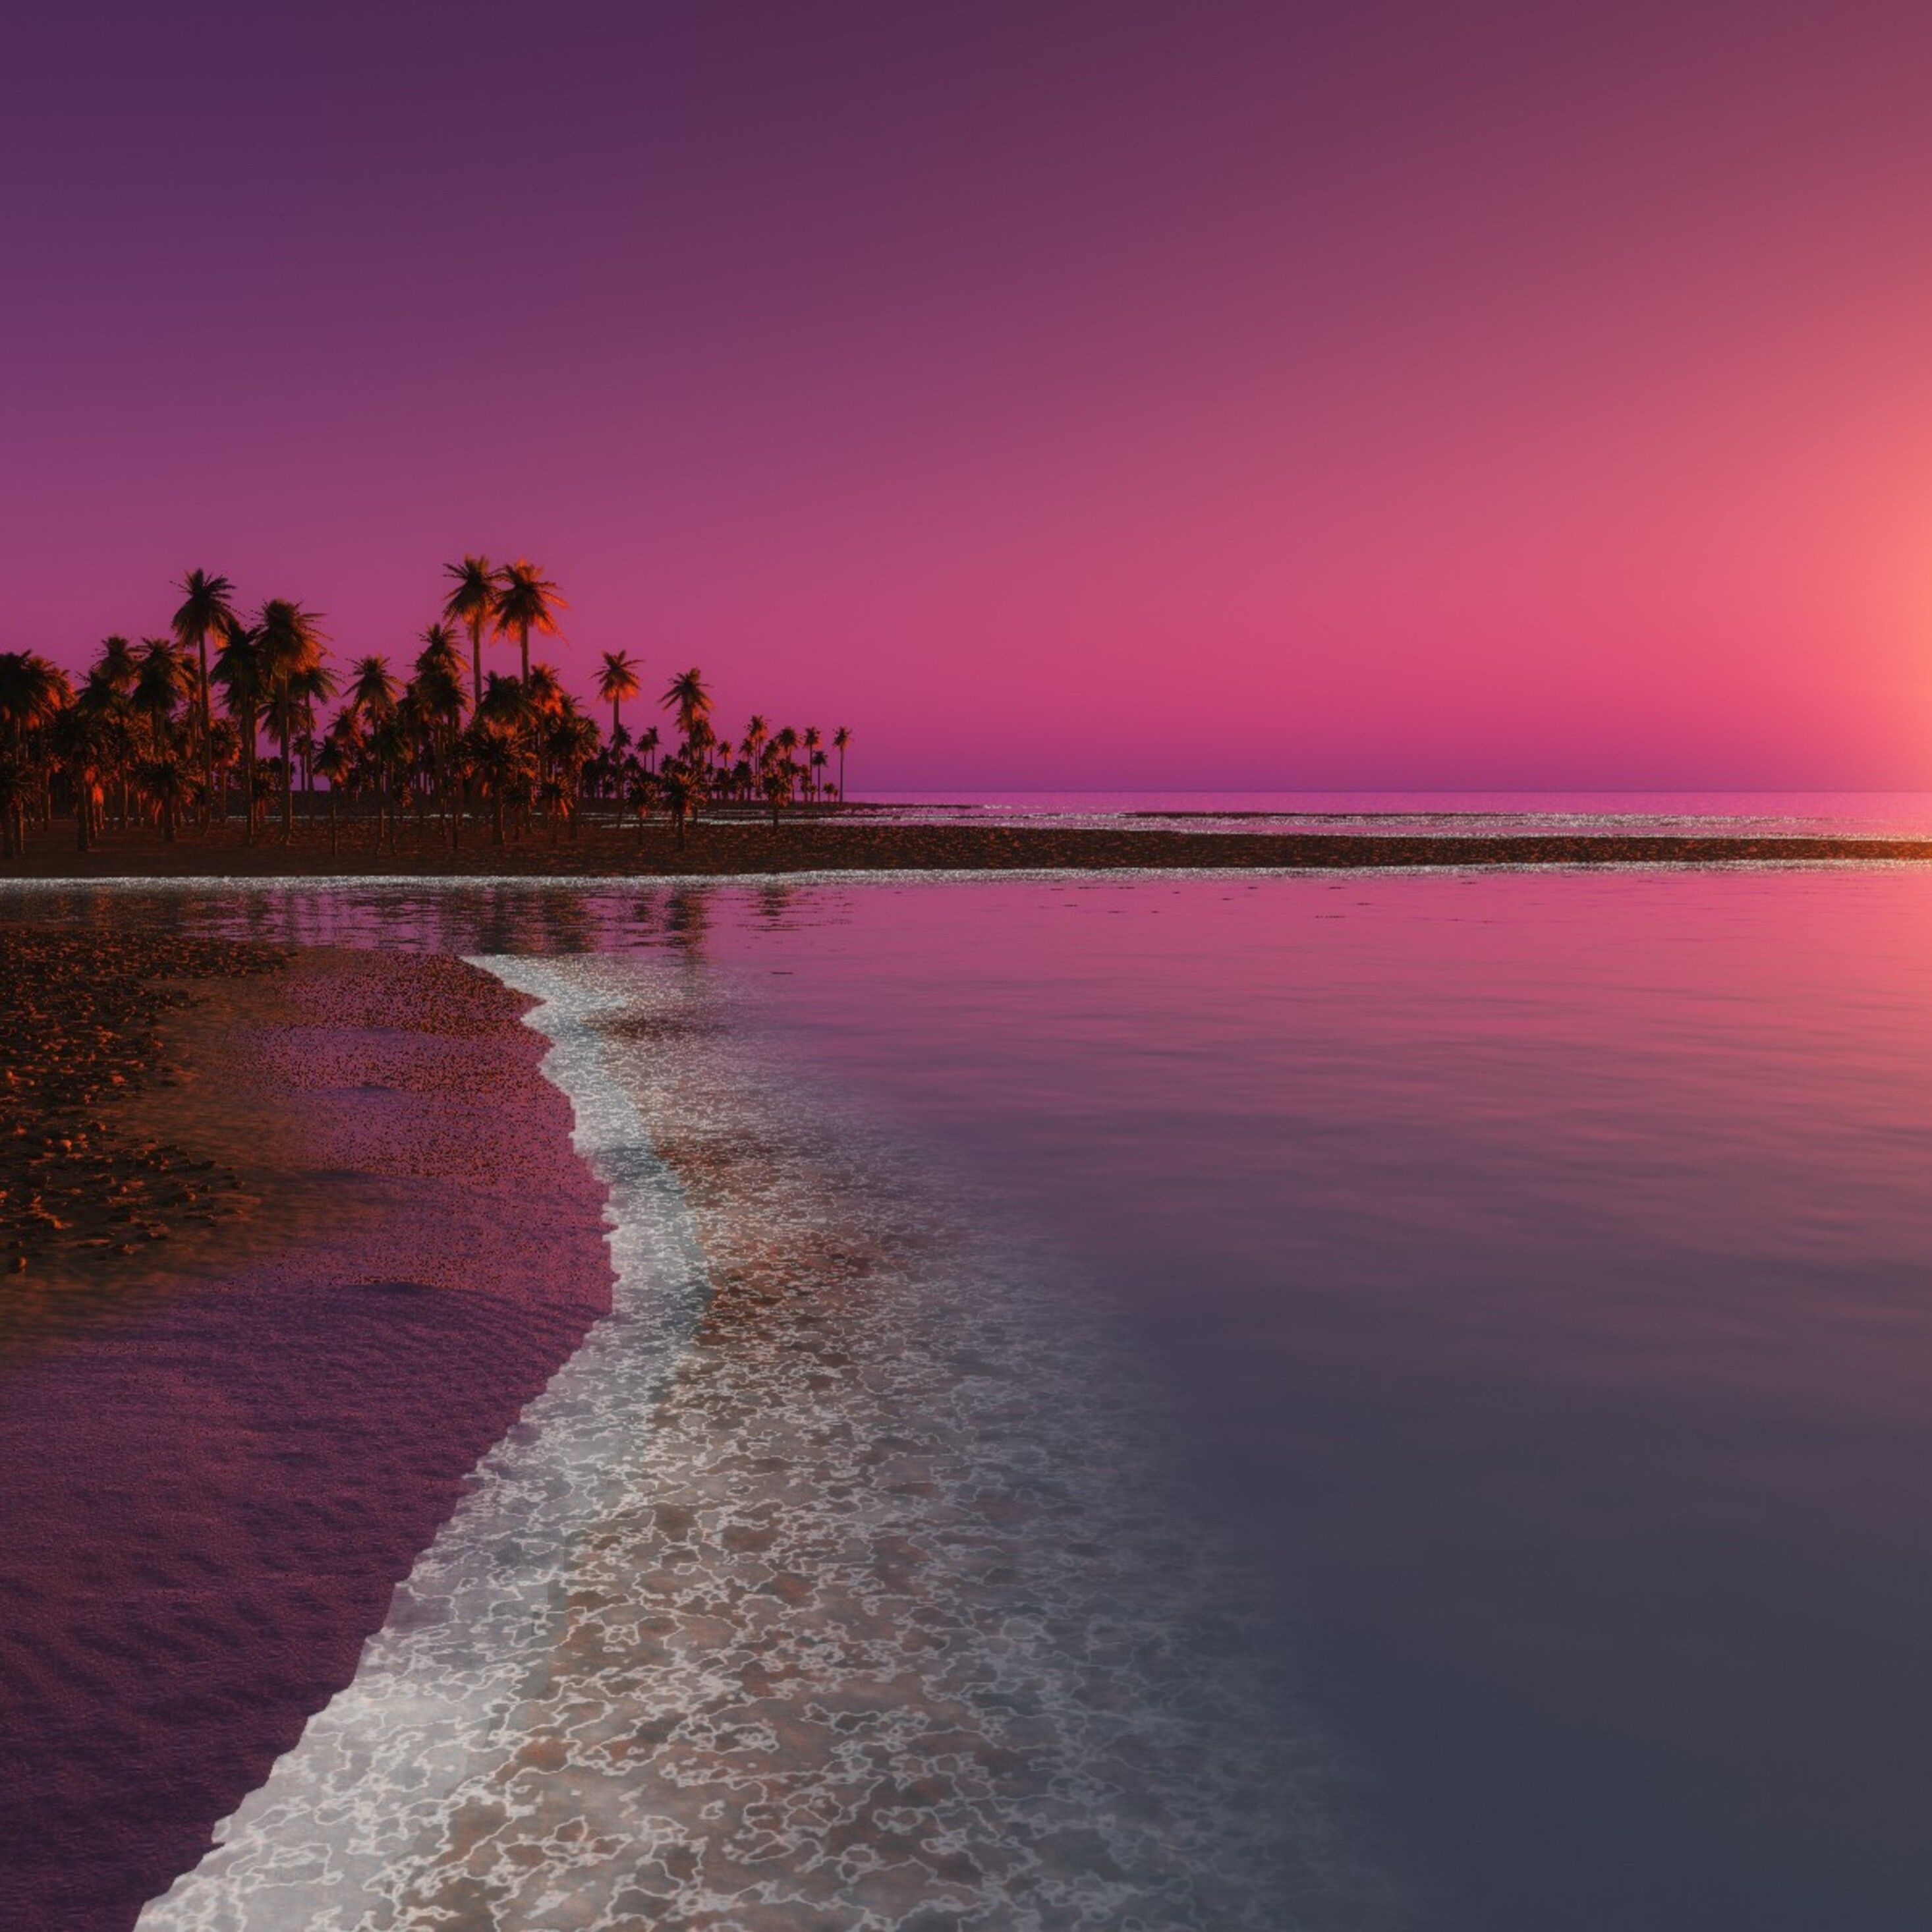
{"points": [[1109, 395]]}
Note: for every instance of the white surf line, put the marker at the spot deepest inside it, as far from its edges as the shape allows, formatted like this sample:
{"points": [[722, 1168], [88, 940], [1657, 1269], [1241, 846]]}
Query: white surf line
{"points": [[328, 1843]]}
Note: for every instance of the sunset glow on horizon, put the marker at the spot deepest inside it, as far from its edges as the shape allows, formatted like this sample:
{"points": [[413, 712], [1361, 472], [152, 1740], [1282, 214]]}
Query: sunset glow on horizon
{"points": [[1054, 395]]}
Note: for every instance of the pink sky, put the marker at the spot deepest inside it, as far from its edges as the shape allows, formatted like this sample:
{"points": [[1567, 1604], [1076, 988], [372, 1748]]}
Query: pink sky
{"points": [[1141, 396]]}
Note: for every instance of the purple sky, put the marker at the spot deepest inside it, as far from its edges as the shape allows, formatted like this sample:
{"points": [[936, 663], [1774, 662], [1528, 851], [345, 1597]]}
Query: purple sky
{"points": [[1088, 395]]}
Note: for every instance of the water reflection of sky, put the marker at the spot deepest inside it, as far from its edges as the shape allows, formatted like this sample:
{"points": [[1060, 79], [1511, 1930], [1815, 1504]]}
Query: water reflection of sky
{"points": [[1539, 1262]]}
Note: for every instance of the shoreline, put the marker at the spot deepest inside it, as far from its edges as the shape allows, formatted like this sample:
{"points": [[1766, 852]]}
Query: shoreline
{"points": [[742, 848], [221, 1453]]}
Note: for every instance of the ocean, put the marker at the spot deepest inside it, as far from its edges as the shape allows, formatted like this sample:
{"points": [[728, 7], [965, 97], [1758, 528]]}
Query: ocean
{"points": [[1903, 814], [1393, 1399]]}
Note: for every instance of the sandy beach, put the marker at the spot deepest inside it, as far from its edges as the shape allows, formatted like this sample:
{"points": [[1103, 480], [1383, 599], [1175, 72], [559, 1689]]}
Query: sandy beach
{"points": [[723, 848], [294, 1237]]}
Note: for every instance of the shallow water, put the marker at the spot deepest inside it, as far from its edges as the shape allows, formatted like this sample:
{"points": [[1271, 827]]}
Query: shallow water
{"points": [[1482, 1322]]}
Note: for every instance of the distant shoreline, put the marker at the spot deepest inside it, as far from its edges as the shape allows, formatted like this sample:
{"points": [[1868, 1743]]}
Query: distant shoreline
{"points": [[743, 846]]}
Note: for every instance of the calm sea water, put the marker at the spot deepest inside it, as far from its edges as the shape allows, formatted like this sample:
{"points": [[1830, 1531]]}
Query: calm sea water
{"points": [[1451, 1354], [1753, 813]]}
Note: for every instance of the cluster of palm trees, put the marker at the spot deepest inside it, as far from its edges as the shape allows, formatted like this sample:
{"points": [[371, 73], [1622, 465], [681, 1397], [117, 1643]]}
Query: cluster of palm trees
{"points": [[137, 739]]}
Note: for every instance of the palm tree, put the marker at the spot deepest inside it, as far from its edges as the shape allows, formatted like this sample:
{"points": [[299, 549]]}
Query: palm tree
{"points": [[544, 692], [841, 739], [387, 742], [162, 677], [504, 708], [16, 790], [369, 710], [647, 747], [88, 738], [435, 702], [776, 785], [685, 695], [165, 781], [527, 601], [334, 762], [473, 604], [440, 658], [33, 694], [242, 670], [680, 785], [616, 682], [372, 690], [117, 666], [568, 745], [207, 610], [290, 643], [503, 768], [227, 756]]}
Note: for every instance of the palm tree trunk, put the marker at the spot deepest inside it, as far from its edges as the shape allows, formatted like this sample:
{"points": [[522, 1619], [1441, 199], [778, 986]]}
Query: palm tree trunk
{"points": [[475, 665], [207, 736], [288, 790]]}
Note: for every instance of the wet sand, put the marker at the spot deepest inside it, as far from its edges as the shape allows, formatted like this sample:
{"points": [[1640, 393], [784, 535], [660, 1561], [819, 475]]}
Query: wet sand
{"points": [[83, 1185], [806, 843], [223, 1443]]}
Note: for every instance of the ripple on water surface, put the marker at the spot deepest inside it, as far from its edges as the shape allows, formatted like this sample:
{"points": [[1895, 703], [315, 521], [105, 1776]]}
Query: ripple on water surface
{"points": [[827, 1586]]}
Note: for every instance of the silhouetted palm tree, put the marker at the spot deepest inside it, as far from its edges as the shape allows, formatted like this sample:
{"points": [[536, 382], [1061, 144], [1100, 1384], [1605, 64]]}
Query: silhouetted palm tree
{"points": [[434, 702], [616, 681], [440, 659], [240, 671], [841, 739], [290, 641], [33, 693], [504, 768], [680, 786], [776, 786], [117, 666], [527, 601], [504, 707], [334, 762], [163, 677], [686, 696], [207, 610], [569, 743], [473, 604], [372, 690], [86, 739], [163, 778]]}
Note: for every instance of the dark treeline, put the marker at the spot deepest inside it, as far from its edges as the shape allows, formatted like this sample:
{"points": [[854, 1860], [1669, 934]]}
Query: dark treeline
{"points": [[226, 716]]}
